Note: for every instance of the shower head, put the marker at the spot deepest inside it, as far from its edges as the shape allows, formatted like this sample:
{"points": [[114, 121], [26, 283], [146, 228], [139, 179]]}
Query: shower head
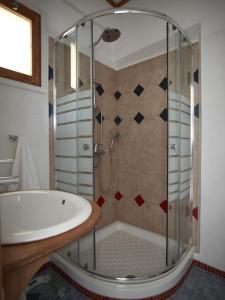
{"points": [[109, 35]]}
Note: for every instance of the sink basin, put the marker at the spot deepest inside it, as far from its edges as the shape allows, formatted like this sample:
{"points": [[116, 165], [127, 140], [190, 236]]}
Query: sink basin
{"points": [[34, 215]]}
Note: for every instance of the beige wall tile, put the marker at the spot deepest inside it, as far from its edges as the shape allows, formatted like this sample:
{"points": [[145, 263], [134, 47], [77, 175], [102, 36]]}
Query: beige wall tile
{"points": [[140, 153]]}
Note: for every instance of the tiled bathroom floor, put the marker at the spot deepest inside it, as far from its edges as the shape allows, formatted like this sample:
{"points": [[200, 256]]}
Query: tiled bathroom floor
{"points": [[122, 254], [56, 289], [199, 285]]}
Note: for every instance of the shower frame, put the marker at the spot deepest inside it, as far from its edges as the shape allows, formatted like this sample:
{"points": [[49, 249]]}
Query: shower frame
{"points": [[169, 21]]}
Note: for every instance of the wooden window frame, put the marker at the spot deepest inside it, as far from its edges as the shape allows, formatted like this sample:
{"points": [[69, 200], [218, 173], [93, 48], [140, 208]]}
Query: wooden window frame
{"points": [[35, 78], [119, 4]]}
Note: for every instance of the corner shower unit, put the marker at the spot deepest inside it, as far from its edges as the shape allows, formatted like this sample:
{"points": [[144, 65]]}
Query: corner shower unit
{"points": [[123, 123]]}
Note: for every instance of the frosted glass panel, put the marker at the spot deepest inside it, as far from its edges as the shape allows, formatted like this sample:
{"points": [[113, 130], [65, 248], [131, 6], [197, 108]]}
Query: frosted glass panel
{"points": [[174, 144], [66, 177], [179, 138]]}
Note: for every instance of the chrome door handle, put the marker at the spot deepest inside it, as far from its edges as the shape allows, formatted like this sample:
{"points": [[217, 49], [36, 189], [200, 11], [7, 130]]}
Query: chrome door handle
{"points": [[86, 147], [173, 146]]}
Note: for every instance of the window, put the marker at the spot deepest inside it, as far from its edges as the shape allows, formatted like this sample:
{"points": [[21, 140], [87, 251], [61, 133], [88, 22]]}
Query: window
{"points": [[20, 35]]}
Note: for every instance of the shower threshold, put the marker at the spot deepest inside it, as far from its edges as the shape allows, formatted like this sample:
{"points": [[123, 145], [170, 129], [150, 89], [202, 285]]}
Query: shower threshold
{"points": [[129, 252]]}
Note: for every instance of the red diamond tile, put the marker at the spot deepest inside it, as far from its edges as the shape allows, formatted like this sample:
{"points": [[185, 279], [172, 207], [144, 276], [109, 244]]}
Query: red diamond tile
{"points": [[195, 213], [100, 201], [164, 206], [118, 195], [139, 200]]}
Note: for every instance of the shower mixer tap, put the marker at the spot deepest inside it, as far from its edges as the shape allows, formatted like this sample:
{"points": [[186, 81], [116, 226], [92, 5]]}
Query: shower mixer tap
{"points": [[98, 149]]}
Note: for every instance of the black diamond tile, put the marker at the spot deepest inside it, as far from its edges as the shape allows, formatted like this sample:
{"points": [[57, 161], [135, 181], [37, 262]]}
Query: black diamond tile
{"points": [[100, 118], [164, 84], [50, 72], [100, 89], [138, 90], [196, 76], [196, 110], [80, 83], [50, 109], [139, 118], [117, 95], [117, 120], [164, 114]]}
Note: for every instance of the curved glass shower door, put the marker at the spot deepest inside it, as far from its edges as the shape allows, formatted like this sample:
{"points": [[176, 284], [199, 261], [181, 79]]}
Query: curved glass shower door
{"points": [[123, 131]]}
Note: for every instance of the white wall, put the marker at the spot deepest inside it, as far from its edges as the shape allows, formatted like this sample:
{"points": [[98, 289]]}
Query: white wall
{"points": [[24, 111], [212, 218]]}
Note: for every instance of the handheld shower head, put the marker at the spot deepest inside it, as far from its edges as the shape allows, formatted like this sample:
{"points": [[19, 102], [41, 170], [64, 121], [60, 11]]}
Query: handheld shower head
{"points": [[109, 35]]}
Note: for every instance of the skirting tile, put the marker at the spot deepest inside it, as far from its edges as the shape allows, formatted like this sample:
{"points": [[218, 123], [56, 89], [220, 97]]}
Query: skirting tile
{"points": [[163, 296]]}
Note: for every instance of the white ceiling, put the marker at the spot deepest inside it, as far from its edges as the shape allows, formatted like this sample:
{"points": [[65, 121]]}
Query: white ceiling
{"points": [[139, 34]]}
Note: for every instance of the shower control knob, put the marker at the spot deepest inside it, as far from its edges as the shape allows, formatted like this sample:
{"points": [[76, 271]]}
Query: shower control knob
{"points": [[86, 147], [173, 146]]}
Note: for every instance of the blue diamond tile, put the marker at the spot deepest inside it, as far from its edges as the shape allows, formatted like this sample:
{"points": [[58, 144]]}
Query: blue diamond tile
{"points": [[139, 118], [138, 90], [100, 118], [117, 120]]}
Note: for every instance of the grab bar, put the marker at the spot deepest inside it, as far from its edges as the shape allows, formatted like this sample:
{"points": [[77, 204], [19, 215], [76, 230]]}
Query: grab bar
{"points": [[6, 161], [8, 180]]}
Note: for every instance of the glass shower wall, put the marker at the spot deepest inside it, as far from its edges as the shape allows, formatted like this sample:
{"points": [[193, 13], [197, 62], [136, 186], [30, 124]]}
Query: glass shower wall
{"points": [[65, 162], [179, 144], [173, 93], [185, 146], [74, 127]]}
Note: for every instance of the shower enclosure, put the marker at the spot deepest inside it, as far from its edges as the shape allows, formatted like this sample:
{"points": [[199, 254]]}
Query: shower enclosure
{"points": [[123, 123]]}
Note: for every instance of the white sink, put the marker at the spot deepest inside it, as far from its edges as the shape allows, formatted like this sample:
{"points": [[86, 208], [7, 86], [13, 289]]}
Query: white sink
{"points": [[34, 215]]}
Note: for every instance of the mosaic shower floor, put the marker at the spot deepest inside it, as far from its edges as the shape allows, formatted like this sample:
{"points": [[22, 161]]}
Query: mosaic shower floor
{"points": [[122, 254], [199, 285]]}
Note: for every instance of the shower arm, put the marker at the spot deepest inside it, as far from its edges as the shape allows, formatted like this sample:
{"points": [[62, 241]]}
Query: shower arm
{"points": [[100, 37], [98, 40]]}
